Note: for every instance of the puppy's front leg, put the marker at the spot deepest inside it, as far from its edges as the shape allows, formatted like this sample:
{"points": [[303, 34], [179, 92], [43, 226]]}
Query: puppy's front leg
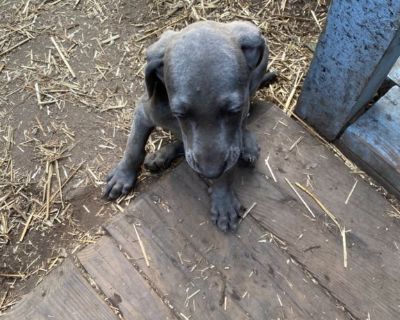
{"points": [[162, 159], [250, 149], [123, 178], [225, 207]]}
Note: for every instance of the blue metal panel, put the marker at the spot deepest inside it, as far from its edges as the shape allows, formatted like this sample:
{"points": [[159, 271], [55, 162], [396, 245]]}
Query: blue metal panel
{"points": [[359, 45], [394, 73], [374, 140]]}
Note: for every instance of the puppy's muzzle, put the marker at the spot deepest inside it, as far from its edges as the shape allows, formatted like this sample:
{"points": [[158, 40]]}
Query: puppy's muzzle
{"points": [[212, 166]]}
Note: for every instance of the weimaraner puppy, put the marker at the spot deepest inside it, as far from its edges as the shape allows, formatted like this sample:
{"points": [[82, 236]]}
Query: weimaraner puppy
{"points": [[199, 83]]}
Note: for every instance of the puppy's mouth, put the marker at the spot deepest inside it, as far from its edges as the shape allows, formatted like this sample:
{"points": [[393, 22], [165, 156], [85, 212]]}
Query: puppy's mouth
{"points": [[213, 169], [213, 174]]}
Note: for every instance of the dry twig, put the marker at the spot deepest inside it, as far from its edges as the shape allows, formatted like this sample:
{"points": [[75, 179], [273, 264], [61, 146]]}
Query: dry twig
{"points": [[141, 246], [332, 217], [63, 57]]}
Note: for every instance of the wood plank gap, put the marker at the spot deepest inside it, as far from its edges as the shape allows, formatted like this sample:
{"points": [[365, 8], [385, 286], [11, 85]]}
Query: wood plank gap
{"points": [[120, 229], [142, 273], [122, 282], [89, 279], [63, 294]]}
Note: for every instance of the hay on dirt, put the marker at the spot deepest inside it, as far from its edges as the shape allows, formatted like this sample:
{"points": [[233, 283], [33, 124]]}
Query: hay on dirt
{"points": [[91, 56]]}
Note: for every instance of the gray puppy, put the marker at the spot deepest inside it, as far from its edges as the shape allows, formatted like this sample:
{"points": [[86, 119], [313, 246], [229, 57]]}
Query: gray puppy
{"points": [[199, 83]]}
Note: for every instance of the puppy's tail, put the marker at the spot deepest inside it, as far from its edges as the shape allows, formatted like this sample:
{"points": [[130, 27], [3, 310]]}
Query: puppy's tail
{"points": [[269, 77]]}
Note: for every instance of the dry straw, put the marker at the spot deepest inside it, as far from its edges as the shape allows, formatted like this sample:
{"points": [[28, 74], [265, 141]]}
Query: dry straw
{"points": [[54, 77], [341, 228]]}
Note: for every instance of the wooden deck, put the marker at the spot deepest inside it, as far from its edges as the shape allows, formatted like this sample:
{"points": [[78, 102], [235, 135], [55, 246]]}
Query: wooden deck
{"points": [[281, 264]]}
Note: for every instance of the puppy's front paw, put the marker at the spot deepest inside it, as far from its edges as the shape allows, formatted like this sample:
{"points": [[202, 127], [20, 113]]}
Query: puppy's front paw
{"points": [[250, 149], [119, 181], [157, 161], [225, 209]]}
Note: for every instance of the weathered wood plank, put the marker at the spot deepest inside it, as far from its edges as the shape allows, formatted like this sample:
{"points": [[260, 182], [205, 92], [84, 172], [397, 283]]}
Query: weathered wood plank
{"points": [[63, 295], [122, 283], [394, 74], [313, 163], [259, 277], [180, 273], [368, 285], [371, 284], [356, 51], [373, 141]]}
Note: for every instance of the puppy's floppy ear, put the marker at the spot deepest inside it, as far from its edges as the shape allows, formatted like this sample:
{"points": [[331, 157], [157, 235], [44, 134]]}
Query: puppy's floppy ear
{"points": [[154, 74], [253, 54], [251, 42]]}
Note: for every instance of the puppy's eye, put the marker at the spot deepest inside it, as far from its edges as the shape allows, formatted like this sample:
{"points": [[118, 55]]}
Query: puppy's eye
{"points": [[179, 115], [234, 111]]}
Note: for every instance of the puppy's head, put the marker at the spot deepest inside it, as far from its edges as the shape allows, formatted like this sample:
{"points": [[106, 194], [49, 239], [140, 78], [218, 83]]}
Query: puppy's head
{"points": [[206, 72]]}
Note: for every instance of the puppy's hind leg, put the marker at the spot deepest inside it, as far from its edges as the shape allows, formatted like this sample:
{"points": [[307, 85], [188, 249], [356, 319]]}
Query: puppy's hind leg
{"points": [[123, 178], [268, 78], [162, 159]]}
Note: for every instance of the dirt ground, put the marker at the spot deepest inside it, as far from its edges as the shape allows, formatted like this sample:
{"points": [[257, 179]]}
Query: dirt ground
{"points": [[63, 128]]}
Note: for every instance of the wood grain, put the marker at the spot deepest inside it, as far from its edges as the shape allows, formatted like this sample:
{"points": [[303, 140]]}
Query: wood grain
{"points": [[63, 295], [258, 276], [371, 283], [122, 283], [180, 273]]}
